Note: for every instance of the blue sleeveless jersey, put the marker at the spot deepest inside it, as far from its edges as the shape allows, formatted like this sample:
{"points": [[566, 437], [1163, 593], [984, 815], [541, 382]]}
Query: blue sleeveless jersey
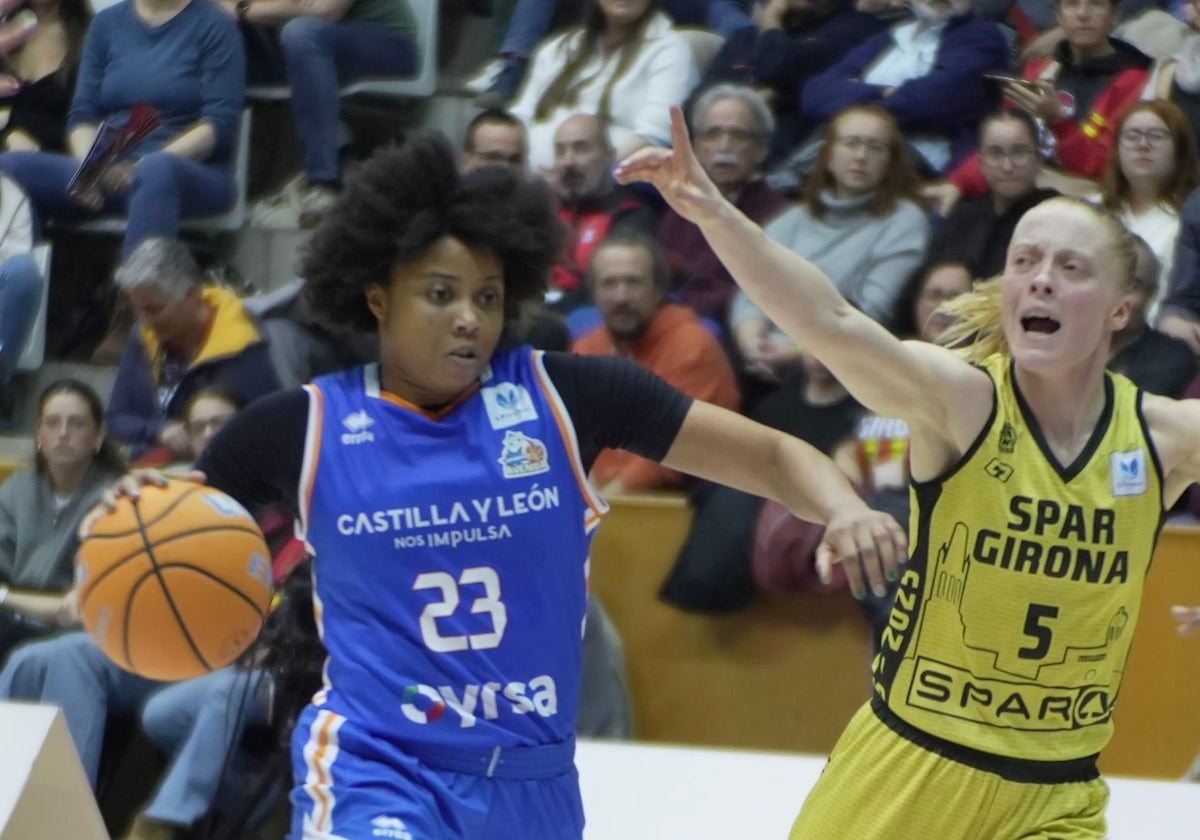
{"points": [[451, 557]]}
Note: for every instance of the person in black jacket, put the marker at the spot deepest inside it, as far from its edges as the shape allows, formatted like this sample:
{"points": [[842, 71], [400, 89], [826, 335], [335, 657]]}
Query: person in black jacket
{"points": [[977, 231], [789, 41], [1155, 361]]}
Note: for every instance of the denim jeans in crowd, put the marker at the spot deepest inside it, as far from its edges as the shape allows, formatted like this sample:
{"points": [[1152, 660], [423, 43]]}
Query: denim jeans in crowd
{"points": [[165, 188], [196, 723], [20, 294], [317, 58]]}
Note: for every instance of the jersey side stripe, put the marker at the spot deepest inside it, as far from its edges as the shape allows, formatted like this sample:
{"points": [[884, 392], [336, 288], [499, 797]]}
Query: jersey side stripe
{"points": [[312, 454], [319, 754], [597, 507]]}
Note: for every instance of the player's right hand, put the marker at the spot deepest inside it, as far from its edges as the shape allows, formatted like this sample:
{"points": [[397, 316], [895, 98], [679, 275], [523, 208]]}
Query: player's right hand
{"points": [[868, 544], [676, 173], [129, 486]]}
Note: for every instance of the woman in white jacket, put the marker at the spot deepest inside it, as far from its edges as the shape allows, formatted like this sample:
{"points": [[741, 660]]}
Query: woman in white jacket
{"points": [[625, 64], [20, 280]]}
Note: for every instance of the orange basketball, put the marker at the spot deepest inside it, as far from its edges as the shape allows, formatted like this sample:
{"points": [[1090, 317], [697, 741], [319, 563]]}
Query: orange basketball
{"points": [[174, 584]]}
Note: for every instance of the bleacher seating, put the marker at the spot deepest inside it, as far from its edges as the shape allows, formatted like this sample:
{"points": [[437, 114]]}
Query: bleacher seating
{"points": [[788, 672], [424, 83]]}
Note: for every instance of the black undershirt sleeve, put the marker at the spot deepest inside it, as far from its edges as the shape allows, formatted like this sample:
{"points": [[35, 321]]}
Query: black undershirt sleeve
{"points": [[613, 404], [258, 456]]}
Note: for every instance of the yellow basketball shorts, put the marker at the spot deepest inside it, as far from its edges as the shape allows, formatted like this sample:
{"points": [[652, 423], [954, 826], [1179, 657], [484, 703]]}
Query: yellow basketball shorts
{"points": [[879, 785]]}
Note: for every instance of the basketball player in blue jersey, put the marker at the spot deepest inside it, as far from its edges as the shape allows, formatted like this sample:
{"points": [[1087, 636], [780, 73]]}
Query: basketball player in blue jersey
{"points": [[444, 495], [1038, 485]]}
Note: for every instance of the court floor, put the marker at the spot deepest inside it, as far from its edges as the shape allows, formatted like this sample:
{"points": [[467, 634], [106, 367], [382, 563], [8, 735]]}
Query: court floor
{"points": [[649, 792]]}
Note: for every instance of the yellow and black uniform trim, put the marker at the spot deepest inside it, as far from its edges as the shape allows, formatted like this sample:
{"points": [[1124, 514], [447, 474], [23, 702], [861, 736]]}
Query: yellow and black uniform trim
{"points": [[1013, 621]]}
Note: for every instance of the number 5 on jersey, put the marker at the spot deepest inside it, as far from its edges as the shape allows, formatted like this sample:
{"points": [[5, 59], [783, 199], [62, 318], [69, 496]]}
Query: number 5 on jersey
{"points": [[1037, 628], [490, 603]]}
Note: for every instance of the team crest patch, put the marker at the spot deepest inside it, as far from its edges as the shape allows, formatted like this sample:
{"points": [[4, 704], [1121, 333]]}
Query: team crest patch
{"points": [[508, 404], [1128, 472], [523, 455]]}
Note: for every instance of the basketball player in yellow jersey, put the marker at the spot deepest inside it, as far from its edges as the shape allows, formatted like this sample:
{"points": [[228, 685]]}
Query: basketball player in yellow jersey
{"points": [[1039, 482]]}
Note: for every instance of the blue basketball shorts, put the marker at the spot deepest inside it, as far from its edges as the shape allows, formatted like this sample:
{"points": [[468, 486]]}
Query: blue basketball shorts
{"points": [[352, 786]]}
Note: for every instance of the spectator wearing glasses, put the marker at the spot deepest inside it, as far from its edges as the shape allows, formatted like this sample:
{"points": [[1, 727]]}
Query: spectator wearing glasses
{"points": [[1079, 94], [1147, 179], [857, 222], [732, 125], [977, 231]]}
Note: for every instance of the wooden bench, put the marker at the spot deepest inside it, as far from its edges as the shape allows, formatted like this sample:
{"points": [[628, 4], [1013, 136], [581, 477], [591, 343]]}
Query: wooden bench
{"points": [[785, 674], [788, 673]]}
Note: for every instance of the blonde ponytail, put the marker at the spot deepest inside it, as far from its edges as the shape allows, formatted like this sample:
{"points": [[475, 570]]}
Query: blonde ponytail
{"points": [[975, 333]]}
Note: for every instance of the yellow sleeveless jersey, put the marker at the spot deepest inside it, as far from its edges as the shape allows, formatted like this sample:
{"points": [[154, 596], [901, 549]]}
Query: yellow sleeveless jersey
{"points": [[1013, 622]]}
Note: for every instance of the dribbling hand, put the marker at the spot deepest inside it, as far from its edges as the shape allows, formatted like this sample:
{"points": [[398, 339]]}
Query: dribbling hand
{"points": [[868, 544], [130, 486]]}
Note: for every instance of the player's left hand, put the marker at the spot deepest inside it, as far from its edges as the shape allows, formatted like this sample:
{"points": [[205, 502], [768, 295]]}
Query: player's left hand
{"points": [[1187, 619], [130, 486], [868, 544]]}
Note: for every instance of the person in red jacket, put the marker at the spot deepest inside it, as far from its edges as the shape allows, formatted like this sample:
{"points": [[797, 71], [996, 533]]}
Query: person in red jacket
{"points": [[1079, 94], [590, 205]]}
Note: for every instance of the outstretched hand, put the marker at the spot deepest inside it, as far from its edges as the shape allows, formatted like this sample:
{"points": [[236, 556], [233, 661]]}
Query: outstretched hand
{"points": [[868, 544], [130, 486], [676, 174]]}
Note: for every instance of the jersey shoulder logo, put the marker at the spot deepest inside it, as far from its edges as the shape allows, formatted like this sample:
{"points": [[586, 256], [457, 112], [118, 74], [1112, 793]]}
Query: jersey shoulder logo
{"points": [[358, 428], [508, 404], [522, 455], [1128, 471]]}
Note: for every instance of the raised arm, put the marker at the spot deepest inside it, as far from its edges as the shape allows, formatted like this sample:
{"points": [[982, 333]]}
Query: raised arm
{"points": [[922, 384]]}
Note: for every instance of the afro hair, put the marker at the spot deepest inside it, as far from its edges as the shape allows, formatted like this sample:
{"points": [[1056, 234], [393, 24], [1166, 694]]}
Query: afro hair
{"points": [[403, 199]]}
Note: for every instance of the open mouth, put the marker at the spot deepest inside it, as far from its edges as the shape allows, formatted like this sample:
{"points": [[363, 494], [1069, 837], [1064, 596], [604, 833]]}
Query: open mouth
{"points": [[465, 353], [1039, 324]]}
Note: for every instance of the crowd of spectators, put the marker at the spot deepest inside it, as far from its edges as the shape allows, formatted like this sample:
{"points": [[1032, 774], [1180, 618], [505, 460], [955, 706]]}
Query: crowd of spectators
{"points": [[893, 146]]}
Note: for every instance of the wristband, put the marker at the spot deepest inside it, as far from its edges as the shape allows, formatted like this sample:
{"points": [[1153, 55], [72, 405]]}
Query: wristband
{"points": [[241, 8], [3, 594]]}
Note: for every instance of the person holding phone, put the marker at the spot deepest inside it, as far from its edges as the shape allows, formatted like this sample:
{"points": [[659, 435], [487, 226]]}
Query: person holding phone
{"points": [[1079, 94]]}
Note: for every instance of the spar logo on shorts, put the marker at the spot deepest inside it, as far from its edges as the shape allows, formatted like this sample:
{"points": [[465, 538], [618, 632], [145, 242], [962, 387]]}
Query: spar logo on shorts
{"points": [[390, 827], [522, 455]]}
